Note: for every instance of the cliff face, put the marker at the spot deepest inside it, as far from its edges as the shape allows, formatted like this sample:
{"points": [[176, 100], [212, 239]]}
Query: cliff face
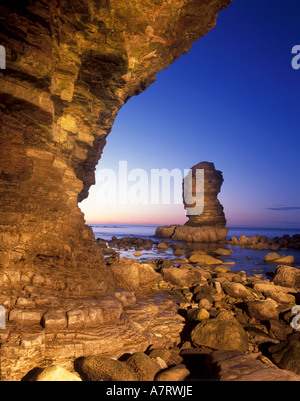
{"points": [[71, 65]]}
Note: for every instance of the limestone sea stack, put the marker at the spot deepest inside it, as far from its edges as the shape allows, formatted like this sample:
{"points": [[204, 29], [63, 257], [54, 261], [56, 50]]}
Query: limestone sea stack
{"points": [[210, 224]]}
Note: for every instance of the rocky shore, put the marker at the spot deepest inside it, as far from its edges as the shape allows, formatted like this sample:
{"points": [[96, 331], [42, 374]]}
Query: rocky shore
{"points": [[186, 318], [262, 242]]}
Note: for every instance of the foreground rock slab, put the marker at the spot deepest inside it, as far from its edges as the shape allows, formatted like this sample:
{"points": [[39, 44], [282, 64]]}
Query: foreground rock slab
{"points": [[234, 366]]}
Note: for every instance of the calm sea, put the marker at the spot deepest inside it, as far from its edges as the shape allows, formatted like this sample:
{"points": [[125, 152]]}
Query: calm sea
{"points": [[120, 230], [248, 260]]}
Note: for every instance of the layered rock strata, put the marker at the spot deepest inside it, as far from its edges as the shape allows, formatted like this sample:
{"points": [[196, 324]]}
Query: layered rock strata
{"points": [[70, 67], [210, 224]]}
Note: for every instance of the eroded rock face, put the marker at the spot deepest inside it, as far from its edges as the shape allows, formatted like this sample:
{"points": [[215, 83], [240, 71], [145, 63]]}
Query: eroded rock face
{"points": [[70, 67], [210, 224]]}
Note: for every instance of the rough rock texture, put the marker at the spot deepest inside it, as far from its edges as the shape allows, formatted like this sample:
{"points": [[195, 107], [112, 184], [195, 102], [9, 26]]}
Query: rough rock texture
{"points": [[210, 224], [95, 327], [235, 366], [222, 333], [213, 214], [71, 65]]}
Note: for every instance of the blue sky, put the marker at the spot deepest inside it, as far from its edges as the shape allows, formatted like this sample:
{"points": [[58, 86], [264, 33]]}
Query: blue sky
{"points": [[232, 100]]}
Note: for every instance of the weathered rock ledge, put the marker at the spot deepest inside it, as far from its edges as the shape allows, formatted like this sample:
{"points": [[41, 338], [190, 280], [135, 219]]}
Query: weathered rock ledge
{"points": [[70, 66], [192, 234]]}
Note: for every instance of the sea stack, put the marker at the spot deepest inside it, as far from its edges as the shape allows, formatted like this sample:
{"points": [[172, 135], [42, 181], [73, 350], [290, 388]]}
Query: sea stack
{"points": [[210, 224]]}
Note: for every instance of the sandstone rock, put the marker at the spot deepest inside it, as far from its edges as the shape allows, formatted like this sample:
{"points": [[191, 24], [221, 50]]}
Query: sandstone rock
{"points": [[126, 274], [59, 98], [56, 373], [228, 366], [286, 354], [180, 276], [286, 259], [223, 252], [263, 310], [271, 257], [279, 293], [147, 274], [169, 355], [237, 290], [243, 240], [55, 318], [162, 246], [222, 333], [144, 367], [25, 317], [209, 224], [175, 373], [197, 314], [287, 276], [221, 269], [205, 303], [98, 368], [111, 308], [127, 298], [204, 259]]}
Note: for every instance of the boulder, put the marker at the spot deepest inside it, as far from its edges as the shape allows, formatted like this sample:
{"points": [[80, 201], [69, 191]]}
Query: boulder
{"points": [[237, 290], [222, 333], [56, 373], [286, 354], [143, 366], [147, 274], [126, 274], [207, 224], [286, 259], [162, 246], [197, 314], [229, 366], [175, 373], [204, 259], [180, 276], [287, 276], [223, 252], [279, 293], [169, 355], [263, 309], [98, 368]]}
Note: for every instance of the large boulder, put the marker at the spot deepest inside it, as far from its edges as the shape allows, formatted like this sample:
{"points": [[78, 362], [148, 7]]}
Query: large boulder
{"points": [[98, 368], [222, 333], [287, 276]]}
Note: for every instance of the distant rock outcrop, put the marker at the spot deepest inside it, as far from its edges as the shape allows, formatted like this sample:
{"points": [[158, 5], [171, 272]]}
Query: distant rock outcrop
{"points": [[210, 224]]}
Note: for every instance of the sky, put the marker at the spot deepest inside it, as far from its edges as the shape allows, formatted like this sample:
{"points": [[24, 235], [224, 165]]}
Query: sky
{"points": [[232, 100]]}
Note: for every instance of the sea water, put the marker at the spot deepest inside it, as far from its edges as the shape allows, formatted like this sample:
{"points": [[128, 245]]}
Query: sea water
{"points": [[249, 260]]}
